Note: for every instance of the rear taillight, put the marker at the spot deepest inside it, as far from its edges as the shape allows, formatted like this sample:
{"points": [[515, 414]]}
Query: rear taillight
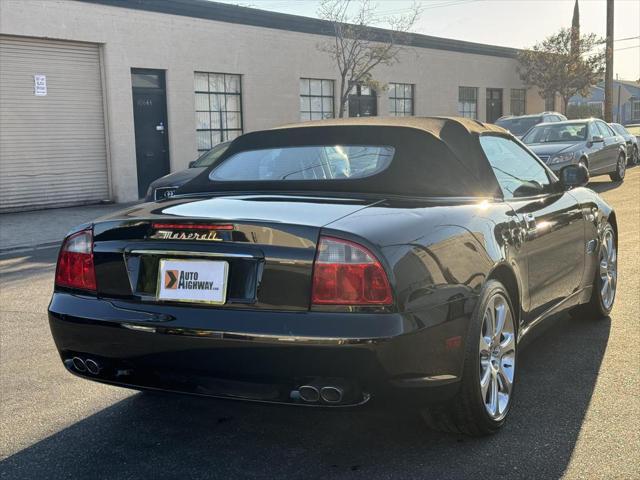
{"points": [[346, 273], [75, 262]]}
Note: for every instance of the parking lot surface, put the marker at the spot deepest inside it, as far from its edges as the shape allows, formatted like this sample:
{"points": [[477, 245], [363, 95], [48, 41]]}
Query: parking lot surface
{"points": [[576, 412]]}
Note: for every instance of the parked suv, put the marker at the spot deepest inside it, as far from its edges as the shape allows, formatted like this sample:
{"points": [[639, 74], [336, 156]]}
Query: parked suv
{"points": [[522, 124], [589, 142]]}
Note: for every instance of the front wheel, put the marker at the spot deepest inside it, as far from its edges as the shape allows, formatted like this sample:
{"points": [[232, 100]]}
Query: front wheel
{"points": [[621, 168], [486, 393], [605, 281]]}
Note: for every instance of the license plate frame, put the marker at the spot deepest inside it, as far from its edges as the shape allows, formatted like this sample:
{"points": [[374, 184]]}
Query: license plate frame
{"points": [[162, 264]]}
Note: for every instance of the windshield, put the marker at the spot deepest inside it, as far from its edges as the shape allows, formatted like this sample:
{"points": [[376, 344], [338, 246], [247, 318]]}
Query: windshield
{"points": [[554, 132], [211, 156], [518, 126], [321, 162]]}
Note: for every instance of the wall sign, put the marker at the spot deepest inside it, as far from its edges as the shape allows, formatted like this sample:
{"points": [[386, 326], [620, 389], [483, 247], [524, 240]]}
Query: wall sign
{"points": [[40, 85]]}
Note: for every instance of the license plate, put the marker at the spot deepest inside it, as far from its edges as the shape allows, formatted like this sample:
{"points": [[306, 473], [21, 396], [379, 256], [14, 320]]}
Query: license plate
{"points": [[194, 281]]}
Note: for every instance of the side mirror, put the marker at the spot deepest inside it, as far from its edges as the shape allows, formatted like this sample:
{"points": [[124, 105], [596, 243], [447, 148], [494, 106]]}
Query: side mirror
{"points": [[597, 139], [574, 176], [192, 163]]}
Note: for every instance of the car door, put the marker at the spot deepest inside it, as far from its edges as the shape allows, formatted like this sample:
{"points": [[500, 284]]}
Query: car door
{"points": [[598, 161], [551, 220], [611, 146]]}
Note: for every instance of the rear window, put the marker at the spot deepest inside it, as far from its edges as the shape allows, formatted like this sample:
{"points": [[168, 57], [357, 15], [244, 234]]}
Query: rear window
{"points": [[319, 162]]}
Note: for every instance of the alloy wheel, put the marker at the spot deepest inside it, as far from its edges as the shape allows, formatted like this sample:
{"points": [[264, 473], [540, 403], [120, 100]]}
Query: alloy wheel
{"points": [[622, 166], [608, 268], [497, 356]]}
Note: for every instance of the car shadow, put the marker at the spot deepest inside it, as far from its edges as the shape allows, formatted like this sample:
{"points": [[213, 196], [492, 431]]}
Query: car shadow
{"points": [[22, 266], [173, 436], [602, 187]]}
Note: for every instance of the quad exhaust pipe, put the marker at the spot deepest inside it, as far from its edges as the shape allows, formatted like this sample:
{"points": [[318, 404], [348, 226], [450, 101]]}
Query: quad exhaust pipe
{"points": [[331, 394], [79, 364], [86, 365]]}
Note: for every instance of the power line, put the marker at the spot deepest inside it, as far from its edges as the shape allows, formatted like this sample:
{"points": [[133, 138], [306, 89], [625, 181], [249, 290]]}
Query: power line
{"points": [[628, 38], [625, 48]]}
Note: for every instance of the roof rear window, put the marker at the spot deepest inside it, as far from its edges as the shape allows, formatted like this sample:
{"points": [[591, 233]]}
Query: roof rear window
{"points": [[318, 162]]}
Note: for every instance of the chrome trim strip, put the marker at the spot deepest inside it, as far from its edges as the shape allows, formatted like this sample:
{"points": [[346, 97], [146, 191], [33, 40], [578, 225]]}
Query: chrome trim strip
{"points": [[190, 253], [256, 337]]}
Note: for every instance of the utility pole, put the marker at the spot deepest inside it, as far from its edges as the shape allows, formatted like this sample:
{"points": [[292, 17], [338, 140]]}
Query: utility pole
{"points": [[608, 79]]}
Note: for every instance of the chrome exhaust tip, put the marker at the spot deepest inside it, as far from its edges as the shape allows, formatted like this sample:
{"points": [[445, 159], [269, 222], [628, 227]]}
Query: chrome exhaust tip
{"points": [[92, 366], [79, 364], [331, 394], [309, 393]]}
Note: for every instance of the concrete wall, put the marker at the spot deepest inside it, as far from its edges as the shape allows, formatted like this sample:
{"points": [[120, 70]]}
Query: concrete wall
{"points": [[270, 62]]}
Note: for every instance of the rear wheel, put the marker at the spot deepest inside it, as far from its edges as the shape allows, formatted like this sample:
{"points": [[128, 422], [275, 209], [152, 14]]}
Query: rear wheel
{"points": [[481, 405], [621, 168], [634, 159], [605, 280]]}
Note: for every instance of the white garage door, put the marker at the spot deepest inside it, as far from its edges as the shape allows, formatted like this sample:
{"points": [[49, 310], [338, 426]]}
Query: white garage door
{"points": [[52, 147]]}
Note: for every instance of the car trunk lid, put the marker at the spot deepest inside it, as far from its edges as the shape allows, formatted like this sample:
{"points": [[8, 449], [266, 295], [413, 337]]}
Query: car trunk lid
{"points": [[267, 242]]}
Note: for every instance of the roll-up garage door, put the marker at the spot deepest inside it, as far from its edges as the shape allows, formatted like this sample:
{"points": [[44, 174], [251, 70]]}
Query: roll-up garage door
{"points": [[52, 140]]}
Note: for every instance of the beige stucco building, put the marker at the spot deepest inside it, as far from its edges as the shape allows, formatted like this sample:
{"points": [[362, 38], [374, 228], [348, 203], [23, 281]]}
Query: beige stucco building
{"points": [[96, 99]]}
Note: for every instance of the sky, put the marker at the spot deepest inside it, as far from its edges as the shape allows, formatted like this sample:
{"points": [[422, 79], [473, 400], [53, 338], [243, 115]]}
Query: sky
{"points": [[510, 23]]}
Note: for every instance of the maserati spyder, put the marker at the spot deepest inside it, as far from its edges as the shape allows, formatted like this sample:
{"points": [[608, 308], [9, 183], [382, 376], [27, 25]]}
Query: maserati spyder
{"points": [[339, 263]]}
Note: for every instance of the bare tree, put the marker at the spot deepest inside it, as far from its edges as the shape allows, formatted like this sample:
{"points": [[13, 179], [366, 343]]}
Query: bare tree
{"points": [[357, 47]]}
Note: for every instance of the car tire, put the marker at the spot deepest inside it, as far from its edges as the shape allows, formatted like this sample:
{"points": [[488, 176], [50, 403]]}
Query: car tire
{"points": [[634, 159], [621, 169], [600, 303], [484, 399]]}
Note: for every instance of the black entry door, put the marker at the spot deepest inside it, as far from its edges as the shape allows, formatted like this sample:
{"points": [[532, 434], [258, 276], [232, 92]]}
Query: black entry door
{"points": [[363, 102], [494, 104], [150, 117]]}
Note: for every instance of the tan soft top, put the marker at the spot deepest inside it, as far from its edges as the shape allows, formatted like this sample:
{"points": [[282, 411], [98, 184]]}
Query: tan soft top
{"points": [[432, 125]]}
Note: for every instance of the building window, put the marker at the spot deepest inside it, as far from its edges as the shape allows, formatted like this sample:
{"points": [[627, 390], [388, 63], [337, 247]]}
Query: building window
{"points": [[400, 99], [218, 108], [468, 102], [635, 109], [316, 99], [518, 101], [550, 104]]}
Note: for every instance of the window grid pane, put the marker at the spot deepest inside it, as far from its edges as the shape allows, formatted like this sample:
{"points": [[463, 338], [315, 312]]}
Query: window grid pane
{"points": [[218, 98], [468, 102], [518, 101], [316, 99], [400, 99]]}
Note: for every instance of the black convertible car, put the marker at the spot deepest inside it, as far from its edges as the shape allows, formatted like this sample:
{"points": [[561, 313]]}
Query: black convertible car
{"points": [[337, 263]]}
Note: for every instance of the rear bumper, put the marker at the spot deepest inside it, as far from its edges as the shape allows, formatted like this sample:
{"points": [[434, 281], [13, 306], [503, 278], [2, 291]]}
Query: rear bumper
{"points": [[262, 356]]}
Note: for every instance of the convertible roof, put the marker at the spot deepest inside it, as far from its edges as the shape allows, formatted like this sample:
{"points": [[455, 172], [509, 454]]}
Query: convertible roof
{"points": [[434, 156], [431, 125]]}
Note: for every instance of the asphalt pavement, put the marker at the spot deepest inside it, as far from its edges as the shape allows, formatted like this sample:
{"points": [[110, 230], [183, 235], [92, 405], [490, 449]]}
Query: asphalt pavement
{"points": [[23, 231], [576, 412]]}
